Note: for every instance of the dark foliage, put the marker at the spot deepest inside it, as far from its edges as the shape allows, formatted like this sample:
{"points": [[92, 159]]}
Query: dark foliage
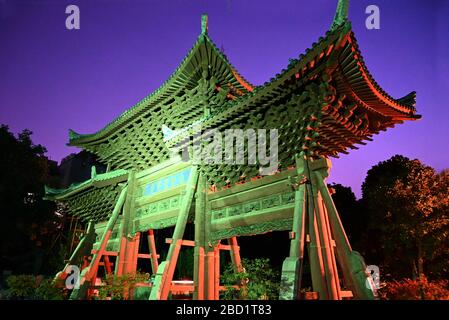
{"points": [[28, 224], [405, 204]]}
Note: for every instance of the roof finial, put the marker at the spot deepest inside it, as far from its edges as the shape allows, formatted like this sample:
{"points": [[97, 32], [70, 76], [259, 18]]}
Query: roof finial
{"points": [[204, 23], [342, 13]]}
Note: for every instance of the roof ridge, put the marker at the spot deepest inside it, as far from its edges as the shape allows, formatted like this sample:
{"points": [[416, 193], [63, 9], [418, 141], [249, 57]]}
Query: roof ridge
{"points": [[74, 135], [407, 101], [293, 62], [226, 60], [49, 192], [203, 37]]}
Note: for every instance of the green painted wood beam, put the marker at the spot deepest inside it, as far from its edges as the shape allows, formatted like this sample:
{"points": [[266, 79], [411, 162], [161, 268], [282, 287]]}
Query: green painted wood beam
{"points": [[292, 267]]}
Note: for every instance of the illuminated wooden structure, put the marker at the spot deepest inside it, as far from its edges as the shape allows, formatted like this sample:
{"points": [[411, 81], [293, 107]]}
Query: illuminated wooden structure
{"points": [[324, 103]]}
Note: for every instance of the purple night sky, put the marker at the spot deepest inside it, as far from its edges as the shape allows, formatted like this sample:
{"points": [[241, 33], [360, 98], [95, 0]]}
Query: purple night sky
{"points": [[53, 79]]}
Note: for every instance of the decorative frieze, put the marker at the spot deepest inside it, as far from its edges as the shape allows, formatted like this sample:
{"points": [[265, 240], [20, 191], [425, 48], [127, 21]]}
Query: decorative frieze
{"points": [[254, 206], [259, 228], [164, 205]]}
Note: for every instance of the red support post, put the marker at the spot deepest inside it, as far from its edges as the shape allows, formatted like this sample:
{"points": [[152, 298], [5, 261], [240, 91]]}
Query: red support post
{"points": [[86, 262], [94, 264], [153, 253], [326, 247], [201, 274], [217, 272], [332, 249], [120, 264], [210, 280], [107, 264], [235, 253], [133, 264], [171, 270]]}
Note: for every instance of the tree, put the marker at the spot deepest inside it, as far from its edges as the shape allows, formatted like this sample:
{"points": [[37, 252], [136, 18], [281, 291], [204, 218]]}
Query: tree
{"points": [[349, 212], [419, 289], [258, 281], [28, 223], [406, 203]]}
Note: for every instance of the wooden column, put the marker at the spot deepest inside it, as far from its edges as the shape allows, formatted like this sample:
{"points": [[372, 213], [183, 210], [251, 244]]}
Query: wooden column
{"points": [[107, 264], [331, 247], [127, 241], [153, 252], [211, 251], [292, 266], [235, 254], [120, 261], [330, 276], [132, 254], [315, 252], [210, 275], [200, 273], [217, 272], [200, 242]]}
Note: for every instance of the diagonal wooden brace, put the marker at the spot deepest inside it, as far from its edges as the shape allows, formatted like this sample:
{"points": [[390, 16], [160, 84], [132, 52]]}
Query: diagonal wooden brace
{"points": [[178, 233], [351, 263], [105, 238], [84, 245], [153, 252]]}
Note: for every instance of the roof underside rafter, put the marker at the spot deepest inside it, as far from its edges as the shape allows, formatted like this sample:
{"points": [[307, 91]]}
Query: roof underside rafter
{"points": [[94, 199]]}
